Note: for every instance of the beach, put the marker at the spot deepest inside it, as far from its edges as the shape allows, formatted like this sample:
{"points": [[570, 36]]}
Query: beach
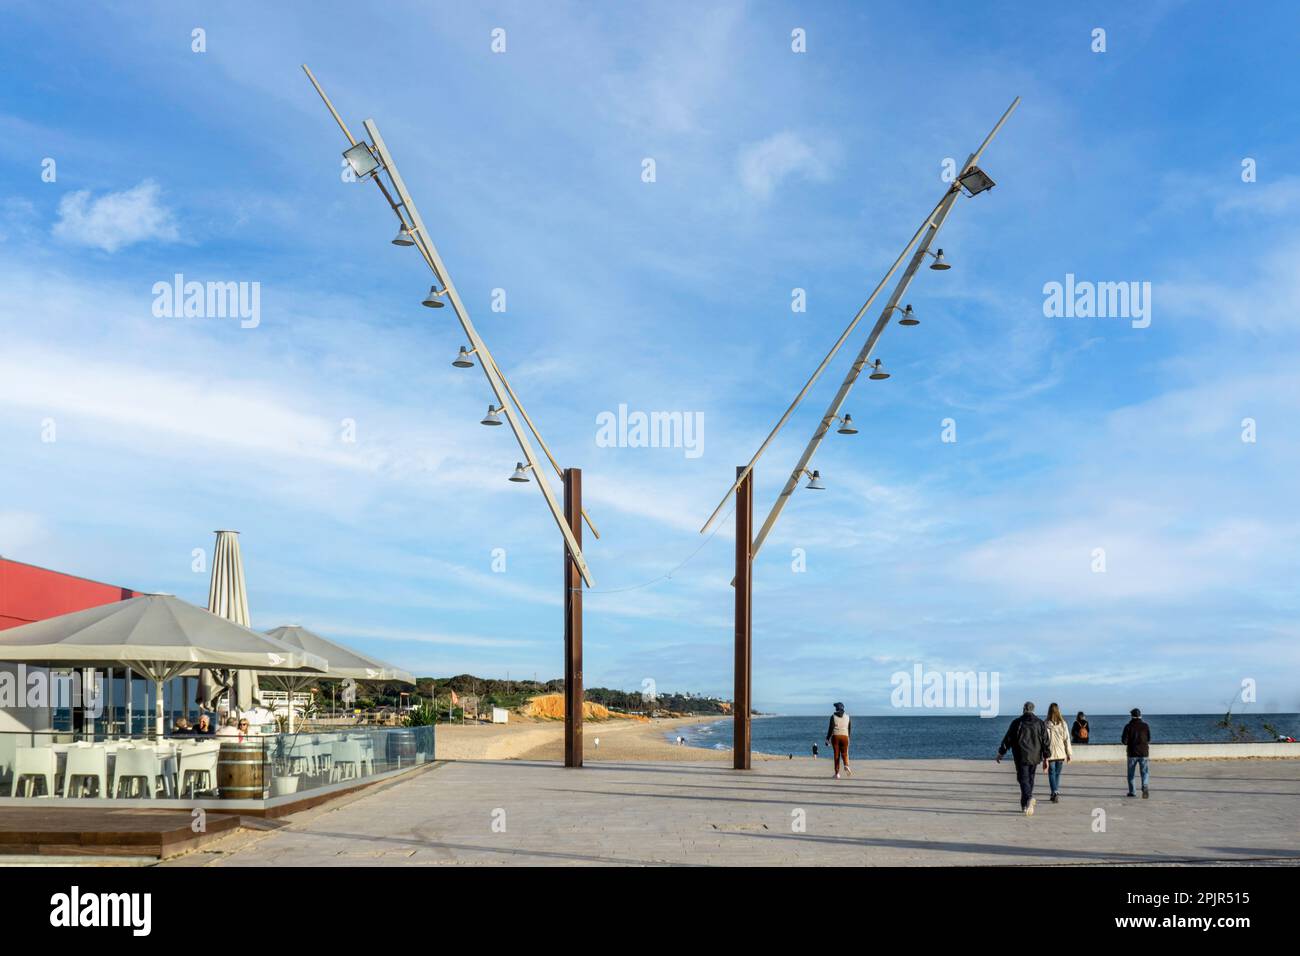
{"points": [[544, 740]]}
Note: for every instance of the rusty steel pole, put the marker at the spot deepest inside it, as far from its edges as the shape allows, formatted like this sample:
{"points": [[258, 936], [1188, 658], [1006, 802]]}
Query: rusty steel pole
{"points": [[573, 623], [744, 613]]}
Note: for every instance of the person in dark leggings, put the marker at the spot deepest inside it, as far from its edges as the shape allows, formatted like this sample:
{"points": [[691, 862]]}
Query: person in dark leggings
{"points": [[837, 737]]}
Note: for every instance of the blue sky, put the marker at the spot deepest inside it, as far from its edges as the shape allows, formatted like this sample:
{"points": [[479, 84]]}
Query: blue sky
{"points": [[775, 170]]}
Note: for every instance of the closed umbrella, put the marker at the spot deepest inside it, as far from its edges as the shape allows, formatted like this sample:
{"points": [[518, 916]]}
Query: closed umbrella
{"points": [[228, 597], [157, 636]]}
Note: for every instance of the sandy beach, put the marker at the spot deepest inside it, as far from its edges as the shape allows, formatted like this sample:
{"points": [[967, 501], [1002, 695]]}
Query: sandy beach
{"points": [[544, 740]]}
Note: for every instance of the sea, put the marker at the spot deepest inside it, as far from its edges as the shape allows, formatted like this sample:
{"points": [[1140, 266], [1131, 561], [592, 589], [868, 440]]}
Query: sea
{"points": [[968, 737]]}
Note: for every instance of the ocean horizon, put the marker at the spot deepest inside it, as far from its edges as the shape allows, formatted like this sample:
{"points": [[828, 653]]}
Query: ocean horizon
{"points": [[935, 737]]}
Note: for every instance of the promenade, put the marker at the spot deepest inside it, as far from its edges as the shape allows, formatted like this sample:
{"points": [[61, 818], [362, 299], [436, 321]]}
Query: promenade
{"points": [[944, 812]]}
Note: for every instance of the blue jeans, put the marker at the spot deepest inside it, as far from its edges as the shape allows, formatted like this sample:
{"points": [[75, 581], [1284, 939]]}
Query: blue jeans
{"points": [[1133, 764], [1054, 774], [1025, 777]]}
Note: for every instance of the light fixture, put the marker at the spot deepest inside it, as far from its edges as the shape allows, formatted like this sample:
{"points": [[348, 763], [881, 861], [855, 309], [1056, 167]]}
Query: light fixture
{"points": [[361, 159], [909, 318], [493, 417], [521, 472], [878, 373], [462, 359], [814, 480], [975, 180], [846, 425], [432, 300], [939, 265], [403, 237]]}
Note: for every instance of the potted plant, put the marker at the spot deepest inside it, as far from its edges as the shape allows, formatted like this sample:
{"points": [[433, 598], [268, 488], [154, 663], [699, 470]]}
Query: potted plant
{"points": [[424, 714], [283, 780]]}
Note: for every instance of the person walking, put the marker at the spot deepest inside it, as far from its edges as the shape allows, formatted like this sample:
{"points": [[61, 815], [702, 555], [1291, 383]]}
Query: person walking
{"points": [[1136, 738], [1079, 729], [837, 738], [1059, 751], [814, 750], [1026, 738]]}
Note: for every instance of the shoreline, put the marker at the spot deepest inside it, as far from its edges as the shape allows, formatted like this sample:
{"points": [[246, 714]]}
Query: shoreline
{"points": [[649, 740], [544, 740]]}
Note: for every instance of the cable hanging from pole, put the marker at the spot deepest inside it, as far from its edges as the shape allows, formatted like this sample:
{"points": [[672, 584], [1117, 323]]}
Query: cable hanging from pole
{"points": [[669, 575]]}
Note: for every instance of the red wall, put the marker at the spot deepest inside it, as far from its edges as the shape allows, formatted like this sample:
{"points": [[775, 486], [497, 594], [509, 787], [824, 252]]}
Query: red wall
{"points": [[29, 593]]}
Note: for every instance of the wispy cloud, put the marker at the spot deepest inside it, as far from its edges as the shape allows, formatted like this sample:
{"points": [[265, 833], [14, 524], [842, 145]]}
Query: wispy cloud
{"points": [[115, 220], [766, 164]]}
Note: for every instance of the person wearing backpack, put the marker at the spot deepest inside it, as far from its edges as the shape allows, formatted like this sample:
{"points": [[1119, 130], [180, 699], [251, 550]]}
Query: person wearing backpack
{"points": [[1026, 738], [1059, 751], [1137, 740], [1079, 732]]}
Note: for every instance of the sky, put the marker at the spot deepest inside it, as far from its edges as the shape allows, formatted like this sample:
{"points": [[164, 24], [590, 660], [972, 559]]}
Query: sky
{"points": [[1115, 524]]}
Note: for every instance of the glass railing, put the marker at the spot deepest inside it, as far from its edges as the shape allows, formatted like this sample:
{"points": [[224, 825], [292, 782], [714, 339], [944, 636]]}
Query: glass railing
{"points": [[68, 765]]}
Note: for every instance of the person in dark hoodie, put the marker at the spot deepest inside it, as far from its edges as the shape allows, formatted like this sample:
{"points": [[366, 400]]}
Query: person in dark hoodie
{"points": [[837, 738], [1136, 738], [1026, 738]]}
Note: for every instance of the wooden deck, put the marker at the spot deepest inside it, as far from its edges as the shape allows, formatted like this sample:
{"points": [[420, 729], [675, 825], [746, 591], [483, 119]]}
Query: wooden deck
{"points": [[58, 828], [70, 831]]}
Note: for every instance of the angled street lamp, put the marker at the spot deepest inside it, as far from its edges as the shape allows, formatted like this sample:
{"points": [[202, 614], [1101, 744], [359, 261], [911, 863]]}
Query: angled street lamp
{"points": [[970, 181], [372, 159]]}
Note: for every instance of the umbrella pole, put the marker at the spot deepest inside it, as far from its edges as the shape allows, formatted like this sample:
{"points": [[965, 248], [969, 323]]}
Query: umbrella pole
{"points": [[158, 709]]}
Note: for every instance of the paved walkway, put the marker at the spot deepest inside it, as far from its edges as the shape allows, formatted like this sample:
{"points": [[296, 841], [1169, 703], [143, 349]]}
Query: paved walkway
{"points": [[944, 812]]}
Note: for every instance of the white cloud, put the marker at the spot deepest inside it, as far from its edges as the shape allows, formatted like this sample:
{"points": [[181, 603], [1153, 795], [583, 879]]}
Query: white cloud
{"points": [[236, 414], [1278, 198], [764, 165], [115, 220]]}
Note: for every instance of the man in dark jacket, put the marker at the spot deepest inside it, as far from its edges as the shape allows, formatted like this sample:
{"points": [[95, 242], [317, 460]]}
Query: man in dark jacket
{"points": [[1026, 738], [1137, 739]]}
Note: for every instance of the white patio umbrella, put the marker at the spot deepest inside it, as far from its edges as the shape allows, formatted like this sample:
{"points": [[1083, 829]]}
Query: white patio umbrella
{"points": [[158, 636], [344, 662]]}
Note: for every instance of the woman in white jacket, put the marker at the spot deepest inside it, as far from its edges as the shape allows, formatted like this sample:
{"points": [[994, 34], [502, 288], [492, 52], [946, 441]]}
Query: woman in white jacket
{"points": [[1059, 749]]}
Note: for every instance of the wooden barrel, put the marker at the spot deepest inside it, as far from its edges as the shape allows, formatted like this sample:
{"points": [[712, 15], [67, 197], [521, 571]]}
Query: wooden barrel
{"points": [[401, 747], [241, 770]]}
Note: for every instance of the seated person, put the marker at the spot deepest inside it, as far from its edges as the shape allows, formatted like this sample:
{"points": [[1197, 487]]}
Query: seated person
{"points": [[204, 727], [181, 728], [230, 728]]}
